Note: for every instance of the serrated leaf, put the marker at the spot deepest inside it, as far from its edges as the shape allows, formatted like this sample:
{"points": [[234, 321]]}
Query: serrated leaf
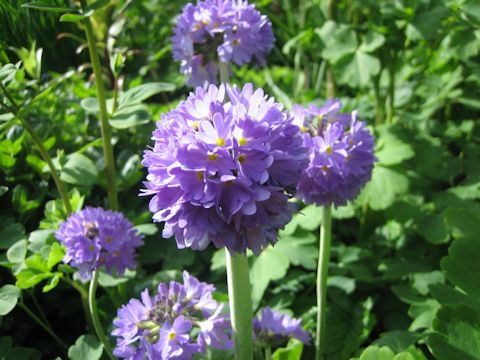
{"points": [[310, 217], [397, 340], [372, 42], [293, 351], [9, 295], [457, 334], [107, 280], [270, 265], [86, 347], [52, 282]]}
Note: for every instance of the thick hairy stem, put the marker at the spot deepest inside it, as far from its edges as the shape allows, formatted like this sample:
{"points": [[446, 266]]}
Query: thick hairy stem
{"points": [[322, 275], [104, 126], [240, 305]]}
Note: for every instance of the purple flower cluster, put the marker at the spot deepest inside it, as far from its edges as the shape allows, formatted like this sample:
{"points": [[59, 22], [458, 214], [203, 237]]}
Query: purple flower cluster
{"points": [[220, 171], [95, 237], [341, 154], [179, 321], [272, 328], [214, 31]]}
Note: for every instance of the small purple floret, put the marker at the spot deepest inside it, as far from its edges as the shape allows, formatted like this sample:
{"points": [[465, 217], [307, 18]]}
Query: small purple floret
{"points": [[181, 320], [222, 168], [214, 31], [272, 328], [341, 154], [95, 237]]}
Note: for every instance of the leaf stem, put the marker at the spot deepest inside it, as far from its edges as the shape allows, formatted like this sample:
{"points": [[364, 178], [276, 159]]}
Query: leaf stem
{"points": [[92, 302], [240, 304], [41, 148], [43, 325], [322, 274], [224, 73], [84, 296], [104, 126]]}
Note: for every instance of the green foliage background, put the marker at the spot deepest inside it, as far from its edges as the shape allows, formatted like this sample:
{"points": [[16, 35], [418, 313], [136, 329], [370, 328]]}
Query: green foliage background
{"points": [[405, 264]]}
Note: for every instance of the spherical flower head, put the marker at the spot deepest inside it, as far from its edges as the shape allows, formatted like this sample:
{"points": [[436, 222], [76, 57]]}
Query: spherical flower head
{"points": [[341, 154], [95, 237], [181, 320], [272, 328], [214, 31], [222, 168]]}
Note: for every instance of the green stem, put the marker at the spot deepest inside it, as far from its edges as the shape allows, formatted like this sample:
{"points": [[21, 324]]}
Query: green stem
{"points": [[84, 296], [268, 353], [240, 304], [41, 148], [104, 126], [322, 274], [43, 325], [39, 308], [92, 302], [224, 74], [391, 89], [331, 87]]}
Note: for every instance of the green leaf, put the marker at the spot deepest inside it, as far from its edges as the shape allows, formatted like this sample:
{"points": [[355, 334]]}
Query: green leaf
{"points": [[377, 353], [462, 223], [270, 265], [107, 280], [397, 340], [57, 252], [46, 6], [16, 253], [52, 282], [11, 234], [130, 116], [86, 347], [143, 92], [293, 351], [433, 229], [9, 295], [462, 265], [310, 217], [75, 17], [340, 40], [79, 170], [391, 150], [382, 190], [372, 42], [457, 333], [357, 69], [7, 73], [342, 282], [97, 5], [300, 249]]}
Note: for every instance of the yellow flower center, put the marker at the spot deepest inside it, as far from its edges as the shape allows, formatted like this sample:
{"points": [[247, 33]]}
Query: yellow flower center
{"points": [[324, 168], [108, 239], [212, 157], [303, 129], [242, 141], [241, 158], [320, 117], [236, 41], [220, 142], [200, 175], [91, 248], [195, 125], [329, 149], [172, 336]]}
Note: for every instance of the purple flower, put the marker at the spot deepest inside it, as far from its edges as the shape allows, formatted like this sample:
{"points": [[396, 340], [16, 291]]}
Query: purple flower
{"points": [[222, 168], [179, 321], [272, 328], [95, 237], [214, 31], [341, 154]]}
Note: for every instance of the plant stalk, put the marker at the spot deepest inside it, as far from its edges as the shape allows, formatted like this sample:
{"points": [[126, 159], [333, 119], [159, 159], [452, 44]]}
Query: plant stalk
{"points": [[41, 148], [331, 86], [322, 275], [92, 302], [224, 73], [240, 304], [43, 325], [104, 126]]}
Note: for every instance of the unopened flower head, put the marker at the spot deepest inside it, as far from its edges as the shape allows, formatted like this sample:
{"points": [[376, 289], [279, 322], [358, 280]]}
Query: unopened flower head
{"points": [[222, 167], [219, 31], [95, 237], [272, 328], [341, 154], [179, 321]]}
